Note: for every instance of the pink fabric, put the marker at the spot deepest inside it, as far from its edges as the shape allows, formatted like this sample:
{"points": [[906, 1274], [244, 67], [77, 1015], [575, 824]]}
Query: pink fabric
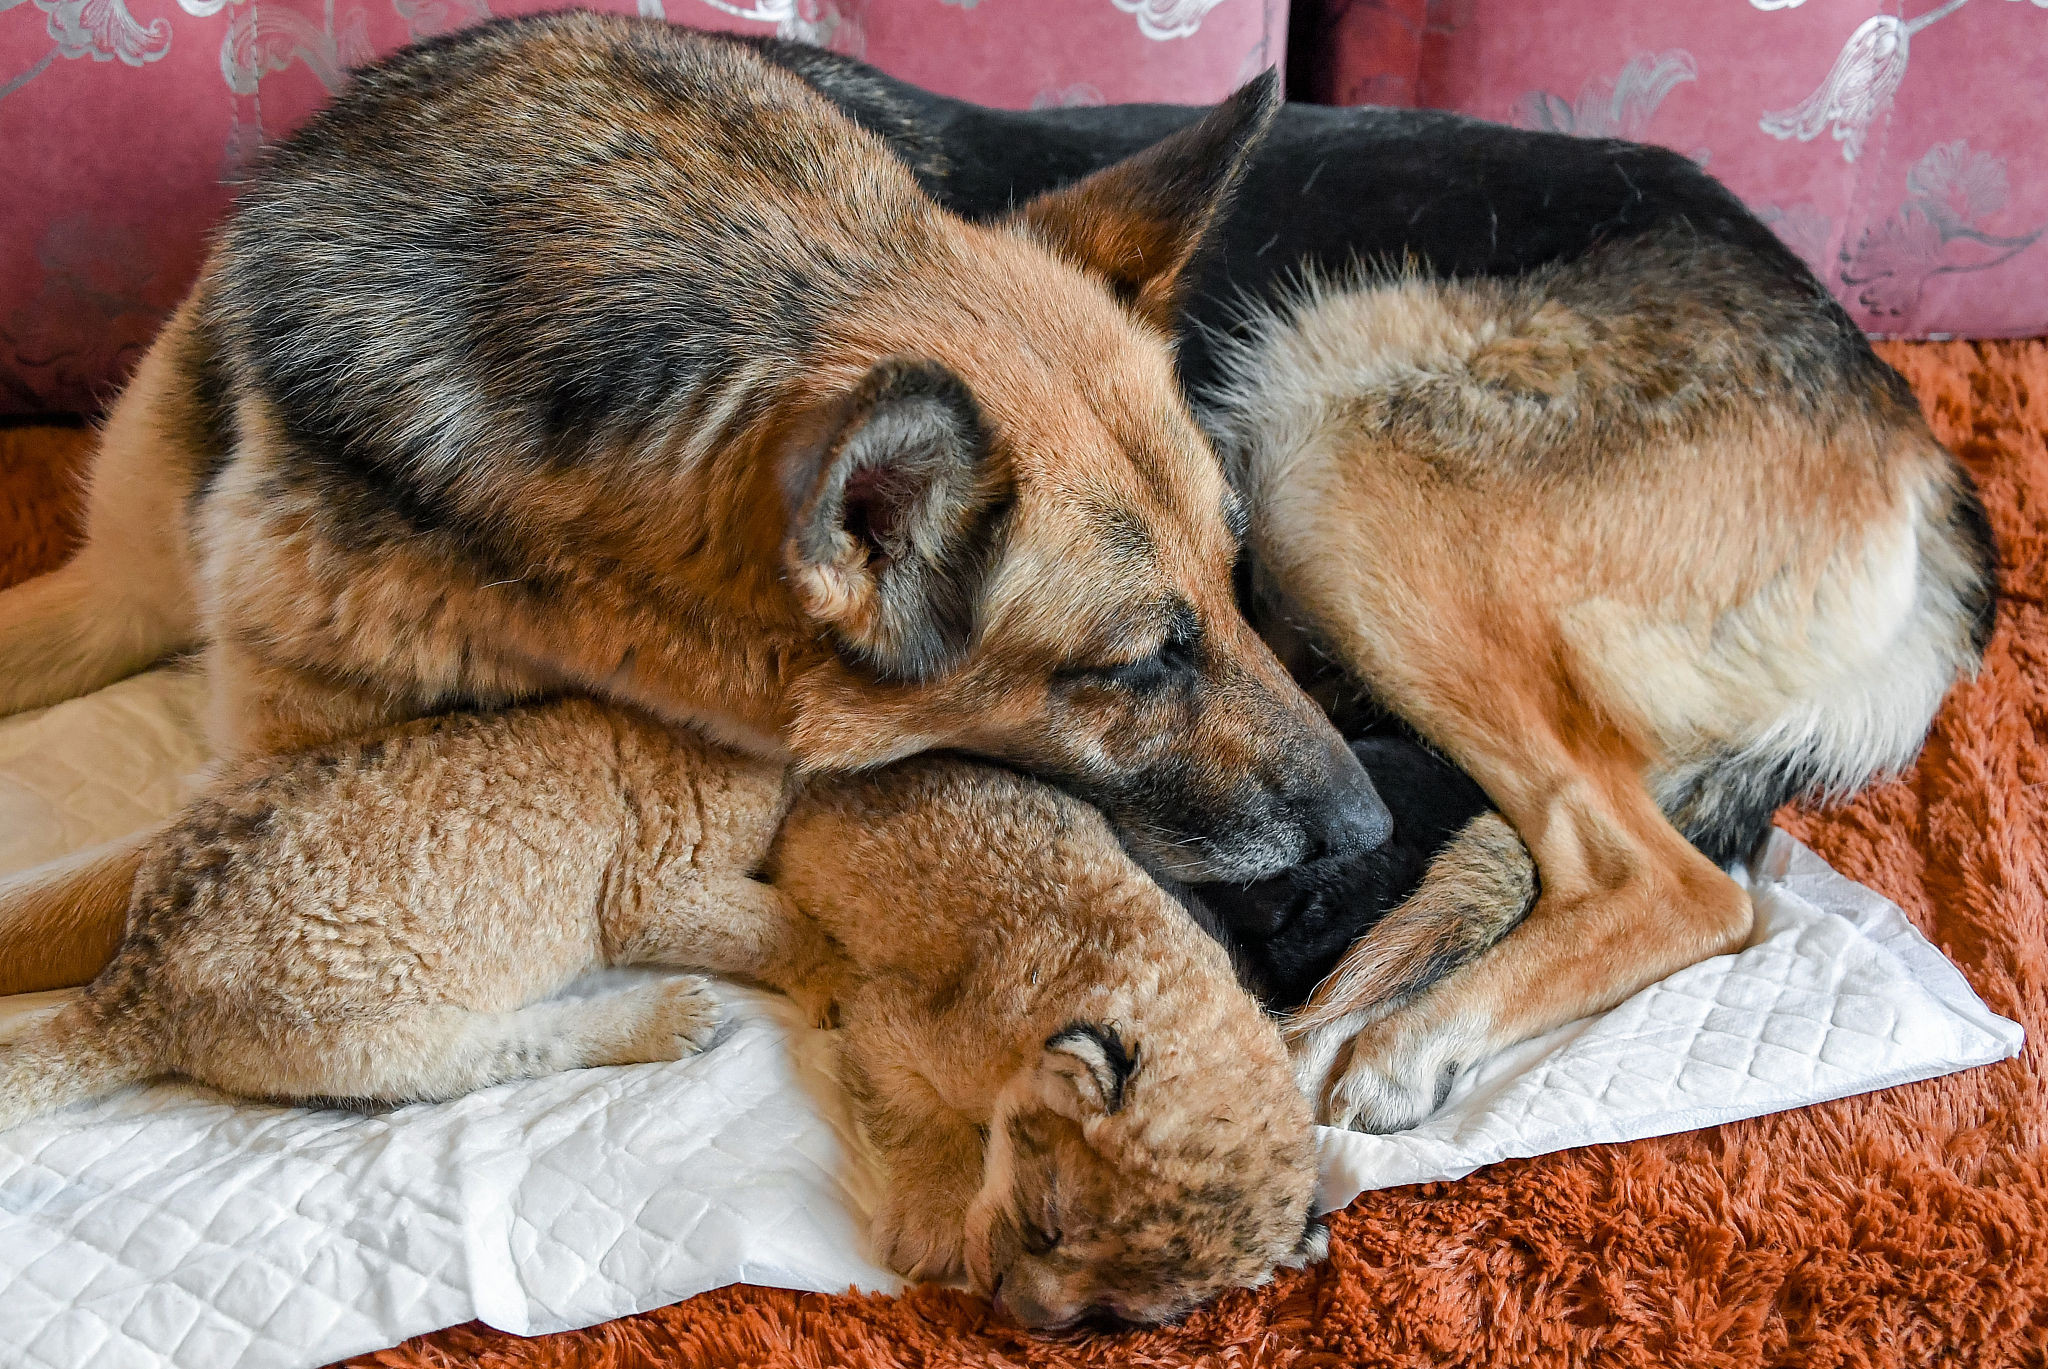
{"points": [[1901, 148], [120, 120]]}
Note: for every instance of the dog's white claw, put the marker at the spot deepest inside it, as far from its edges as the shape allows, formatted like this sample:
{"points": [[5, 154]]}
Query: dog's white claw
{"points": [[1365, 1098], [1387, 1075]]}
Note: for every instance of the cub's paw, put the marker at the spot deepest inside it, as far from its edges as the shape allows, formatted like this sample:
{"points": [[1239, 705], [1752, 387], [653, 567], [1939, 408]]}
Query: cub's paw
{"points": [[920, 1239], [679, 1019], [1381, 1075], [814, 998]]}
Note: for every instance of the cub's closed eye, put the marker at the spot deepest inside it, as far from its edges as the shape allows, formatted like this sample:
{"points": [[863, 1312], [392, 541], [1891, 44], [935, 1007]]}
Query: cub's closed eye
{"points": [[1039, 1240]]}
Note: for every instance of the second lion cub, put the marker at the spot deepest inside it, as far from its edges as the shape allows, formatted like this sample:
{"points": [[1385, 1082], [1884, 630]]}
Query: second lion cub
{"points": [[1077, 1104]]}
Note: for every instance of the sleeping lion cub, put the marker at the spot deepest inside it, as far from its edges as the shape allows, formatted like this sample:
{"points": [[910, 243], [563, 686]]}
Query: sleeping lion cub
{"points": [[1078, 1106], [1077, 1101]]}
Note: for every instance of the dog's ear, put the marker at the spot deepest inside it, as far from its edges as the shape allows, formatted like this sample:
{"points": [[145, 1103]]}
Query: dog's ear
{"points": [[893, 520], [1138, 224], [1085, 1070]]}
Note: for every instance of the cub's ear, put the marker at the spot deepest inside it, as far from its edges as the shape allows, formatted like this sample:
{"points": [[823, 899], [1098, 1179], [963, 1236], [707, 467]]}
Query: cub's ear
{"points": [[1137, 224], [893, 520], [1085, 1069]]}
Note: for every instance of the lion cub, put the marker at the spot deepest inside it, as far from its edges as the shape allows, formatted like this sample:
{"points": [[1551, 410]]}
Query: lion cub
{"points": [[1077, 1105], [378, 921]]}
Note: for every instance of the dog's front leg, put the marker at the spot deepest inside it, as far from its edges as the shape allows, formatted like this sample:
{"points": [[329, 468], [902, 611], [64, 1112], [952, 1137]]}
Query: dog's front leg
{"points": [[1625, 901]]}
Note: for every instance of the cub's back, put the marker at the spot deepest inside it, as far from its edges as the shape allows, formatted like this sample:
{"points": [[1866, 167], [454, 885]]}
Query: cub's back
{"points": [[442, 854]]}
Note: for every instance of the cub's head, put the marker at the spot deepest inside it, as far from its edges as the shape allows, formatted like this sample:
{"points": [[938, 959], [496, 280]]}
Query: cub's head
{"points": [[1127, 1189], [1019, 543]]}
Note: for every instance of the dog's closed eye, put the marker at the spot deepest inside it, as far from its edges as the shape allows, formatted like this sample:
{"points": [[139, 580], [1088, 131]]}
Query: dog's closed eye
{"points": [[1175, 658]]}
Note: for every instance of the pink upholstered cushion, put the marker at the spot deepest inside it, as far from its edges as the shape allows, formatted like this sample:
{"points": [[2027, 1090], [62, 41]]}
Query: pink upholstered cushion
{"points": [[1902, 149], [121, 119]]}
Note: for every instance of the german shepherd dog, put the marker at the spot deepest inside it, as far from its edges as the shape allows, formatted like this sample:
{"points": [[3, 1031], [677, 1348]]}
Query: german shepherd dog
{"points": [[585, 353], [1555, 452]]}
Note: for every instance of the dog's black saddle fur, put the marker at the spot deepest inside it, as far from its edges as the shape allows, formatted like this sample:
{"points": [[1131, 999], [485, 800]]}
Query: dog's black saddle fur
{"points": [[1329, 192]]}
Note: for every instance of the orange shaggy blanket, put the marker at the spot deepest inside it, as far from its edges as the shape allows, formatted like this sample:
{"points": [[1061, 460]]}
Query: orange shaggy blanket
{"points": [[1907, 1228]]}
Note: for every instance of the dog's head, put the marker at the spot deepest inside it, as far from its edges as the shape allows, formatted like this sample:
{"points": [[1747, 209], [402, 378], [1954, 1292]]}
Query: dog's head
{"points": [[1109, 1193], [1019, 542]]}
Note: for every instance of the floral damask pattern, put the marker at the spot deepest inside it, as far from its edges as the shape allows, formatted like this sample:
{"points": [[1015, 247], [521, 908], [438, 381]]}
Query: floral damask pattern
{"points": [[1617, 108], [425, 18], [1899, 146], [1162, 19], [1938, 229], [102, 30], [1067, 97], [124, 122], [1860, 85], [262, 40]]}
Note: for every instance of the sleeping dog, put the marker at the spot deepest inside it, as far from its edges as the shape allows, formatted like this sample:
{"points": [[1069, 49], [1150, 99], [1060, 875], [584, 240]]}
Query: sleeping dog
{"points": [[1558, 454], [583, 352], [1581, 473]]}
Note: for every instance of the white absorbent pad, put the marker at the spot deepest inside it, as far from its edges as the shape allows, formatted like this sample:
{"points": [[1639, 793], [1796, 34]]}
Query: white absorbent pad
{"points": [[169, 1225]]}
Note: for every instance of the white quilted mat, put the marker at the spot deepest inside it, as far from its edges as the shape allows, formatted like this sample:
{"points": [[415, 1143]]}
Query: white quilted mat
{"points": [[169, 1226]]}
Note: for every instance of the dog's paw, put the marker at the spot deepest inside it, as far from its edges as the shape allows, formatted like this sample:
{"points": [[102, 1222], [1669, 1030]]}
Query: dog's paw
{"points": [[680, 1020], [920, 1239], [1382, 1075]]}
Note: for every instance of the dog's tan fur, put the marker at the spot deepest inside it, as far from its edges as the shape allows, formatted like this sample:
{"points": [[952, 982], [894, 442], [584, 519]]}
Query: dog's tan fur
{"points": [[1586, 534], [693, 549], [1641, 537], [1077, 1104]]}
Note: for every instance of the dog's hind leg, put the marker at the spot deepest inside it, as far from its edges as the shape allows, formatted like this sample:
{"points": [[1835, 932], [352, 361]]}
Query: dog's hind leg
{"points": [[1866, 718], [61, 921], [127, 598]]}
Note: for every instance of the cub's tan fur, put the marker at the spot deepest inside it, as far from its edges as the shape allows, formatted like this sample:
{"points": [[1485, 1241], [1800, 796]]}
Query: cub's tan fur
{"points": [[1077, 1104], [376, 920]]}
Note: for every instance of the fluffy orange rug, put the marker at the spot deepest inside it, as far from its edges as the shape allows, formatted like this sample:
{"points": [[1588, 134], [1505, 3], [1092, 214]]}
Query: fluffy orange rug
{"points": [[1905, 1228]]}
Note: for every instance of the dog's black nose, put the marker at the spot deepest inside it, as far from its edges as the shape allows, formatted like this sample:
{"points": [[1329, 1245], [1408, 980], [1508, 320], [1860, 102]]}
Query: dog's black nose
{"points": [[1355, 818]]}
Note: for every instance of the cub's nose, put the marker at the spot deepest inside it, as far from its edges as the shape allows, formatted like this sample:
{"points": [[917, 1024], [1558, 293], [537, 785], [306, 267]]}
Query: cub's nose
{"points": [[1352, 818], [1012, 1300]]}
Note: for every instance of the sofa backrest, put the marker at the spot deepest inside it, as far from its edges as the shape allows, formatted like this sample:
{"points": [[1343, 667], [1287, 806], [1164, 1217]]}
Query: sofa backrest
{"points": [[123, 122]]}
